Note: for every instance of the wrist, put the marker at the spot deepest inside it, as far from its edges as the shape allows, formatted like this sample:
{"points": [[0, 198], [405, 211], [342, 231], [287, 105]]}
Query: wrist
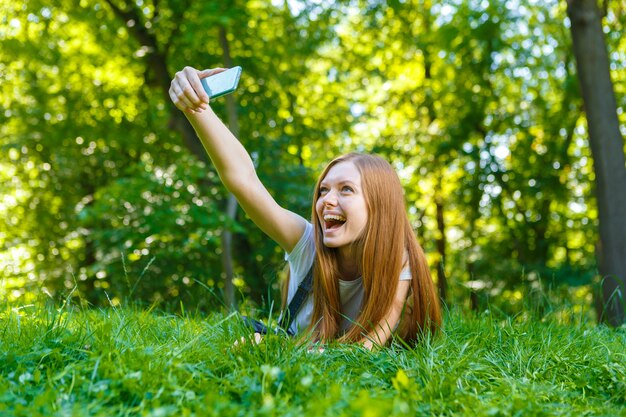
{"points": [[200, 112], [198, 117]]}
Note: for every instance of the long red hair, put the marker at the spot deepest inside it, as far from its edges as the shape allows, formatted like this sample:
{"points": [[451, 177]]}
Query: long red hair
{"points": [[381, 252]]}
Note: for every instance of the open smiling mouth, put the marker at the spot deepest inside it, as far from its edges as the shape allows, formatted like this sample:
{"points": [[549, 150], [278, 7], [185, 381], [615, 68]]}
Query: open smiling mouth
{"points": [[333, 222]]}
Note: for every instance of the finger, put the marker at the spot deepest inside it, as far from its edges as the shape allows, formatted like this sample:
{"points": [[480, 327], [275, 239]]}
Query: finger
{"points": [[176, 91], [193, 77], [196, 82], [315, 349], [208, 72], [177, 102], [242, 341], [183, 79], [204, 74], [191, 96], [182, 97]]}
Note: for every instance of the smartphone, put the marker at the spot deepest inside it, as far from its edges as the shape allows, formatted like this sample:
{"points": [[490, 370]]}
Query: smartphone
{"points": [[222, 83]]}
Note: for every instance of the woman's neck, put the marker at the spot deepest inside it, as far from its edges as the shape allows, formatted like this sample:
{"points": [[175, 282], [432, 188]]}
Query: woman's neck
{"points": [[349, 267]]}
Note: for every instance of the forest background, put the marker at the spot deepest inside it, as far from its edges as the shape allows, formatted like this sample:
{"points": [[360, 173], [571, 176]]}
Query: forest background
{"points": [[106, 194]]}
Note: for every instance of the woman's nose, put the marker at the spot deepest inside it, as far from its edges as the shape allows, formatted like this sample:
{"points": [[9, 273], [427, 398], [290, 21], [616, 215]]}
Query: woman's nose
{"points": [[330, 199]]}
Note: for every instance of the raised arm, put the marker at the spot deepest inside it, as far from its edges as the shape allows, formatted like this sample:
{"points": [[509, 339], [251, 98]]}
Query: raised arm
{"points": [[232, 161]]}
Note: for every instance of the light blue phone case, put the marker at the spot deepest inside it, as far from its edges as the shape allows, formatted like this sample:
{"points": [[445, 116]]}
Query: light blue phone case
{"points": [[222, 83]]}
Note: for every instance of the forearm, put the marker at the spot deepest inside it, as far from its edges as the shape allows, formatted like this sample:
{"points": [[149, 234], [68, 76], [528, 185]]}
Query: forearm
{"points": [[384, 329], [230, 158], [380, 335]]}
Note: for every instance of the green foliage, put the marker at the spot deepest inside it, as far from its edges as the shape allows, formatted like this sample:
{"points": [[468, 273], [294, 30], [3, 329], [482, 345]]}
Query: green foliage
{"points": [[105, 185], [159, 214], [127, 361], [475, 103]]}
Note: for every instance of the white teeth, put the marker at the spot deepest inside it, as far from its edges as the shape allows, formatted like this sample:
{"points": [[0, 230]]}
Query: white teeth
{"points": [[334, 217]]}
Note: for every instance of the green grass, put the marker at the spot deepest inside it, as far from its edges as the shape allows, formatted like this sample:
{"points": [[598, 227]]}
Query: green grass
{"points": [[128, 361]]}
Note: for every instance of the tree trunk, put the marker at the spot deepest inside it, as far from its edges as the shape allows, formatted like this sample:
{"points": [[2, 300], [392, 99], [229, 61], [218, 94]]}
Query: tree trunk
{"points": [[442, 281], [231, 204], [429, 103], [607, 149], [156, 67]]}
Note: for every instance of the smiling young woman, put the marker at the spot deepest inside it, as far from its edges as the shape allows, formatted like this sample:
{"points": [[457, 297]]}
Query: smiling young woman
{"points": [[378, 242], [340, 205], [370, 276]]}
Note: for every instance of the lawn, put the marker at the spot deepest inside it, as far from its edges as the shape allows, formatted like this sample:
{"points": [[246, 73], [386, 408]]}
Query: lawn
{"points": [[69, 361]]}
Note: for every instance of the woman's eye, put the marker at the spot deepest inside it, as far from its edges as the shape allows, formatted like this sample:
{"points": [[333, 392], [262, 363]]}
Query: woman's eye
{"points": [[323, 190], [347, 189]]}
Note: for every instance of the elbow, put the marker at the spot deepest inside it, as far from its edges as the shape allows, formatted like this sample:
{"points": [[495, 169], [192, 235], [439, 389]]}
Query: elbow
{"points": [[239, 183]]}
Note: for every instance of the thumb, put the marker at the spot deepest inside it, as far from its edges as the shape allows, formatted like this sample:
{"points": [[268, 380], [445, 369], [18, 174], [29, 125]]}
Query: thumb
{"points": [[208, 72]]}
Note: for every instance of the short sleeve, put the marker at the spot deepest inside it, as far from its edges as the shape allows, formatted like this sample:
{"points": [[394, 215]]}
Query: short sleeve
{"points": [[301, 258], [300, 261], [405, 274]]}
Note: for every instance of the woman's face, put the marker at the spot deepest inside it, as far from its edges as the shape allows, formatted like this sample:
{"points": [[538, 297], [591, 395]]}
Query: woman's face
{"points": [[341, 205]]}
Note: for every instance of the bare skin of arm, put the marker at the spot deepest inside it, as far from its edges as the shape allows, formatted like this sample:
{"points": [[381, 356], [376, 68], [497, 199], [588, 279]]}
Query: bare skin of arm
{"points": [[381, 333], [232, 161]]}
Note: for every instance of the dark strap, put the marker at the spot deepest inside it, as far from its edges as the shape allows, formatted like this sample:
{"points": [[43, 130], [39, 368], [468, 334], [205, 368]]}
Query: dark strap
{"points": [[255, 325], [304, 289]]}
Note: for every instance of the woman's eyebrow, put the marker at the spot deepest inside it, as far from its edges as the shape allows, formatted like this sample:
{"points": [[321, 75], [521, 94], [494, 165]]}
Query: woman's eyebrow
{"points": [[340, 181]]}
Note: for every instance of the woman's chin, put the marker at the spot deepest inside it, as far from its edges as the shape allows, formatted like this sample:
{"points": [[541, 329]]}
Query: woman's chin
{"points": [[331, 242], [335, 242]]}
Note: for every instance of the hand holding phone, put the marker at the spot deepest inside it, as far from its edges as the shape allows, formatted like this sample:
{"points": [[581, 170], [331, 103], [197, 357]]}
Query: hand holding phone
{"points": [[222, 83]]}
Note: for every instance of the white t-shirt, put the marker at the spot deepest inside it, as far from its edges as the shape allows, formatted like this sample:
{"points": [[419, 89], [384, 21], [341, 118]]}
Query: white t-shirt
{"points": [[351, 293]]}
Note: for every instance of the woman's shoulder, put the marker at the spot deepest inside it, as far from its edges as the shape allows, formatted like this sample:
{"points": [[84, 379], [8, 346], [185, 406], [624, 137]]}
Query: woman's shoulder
{"points": [[304, 250], [305, 239]]}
